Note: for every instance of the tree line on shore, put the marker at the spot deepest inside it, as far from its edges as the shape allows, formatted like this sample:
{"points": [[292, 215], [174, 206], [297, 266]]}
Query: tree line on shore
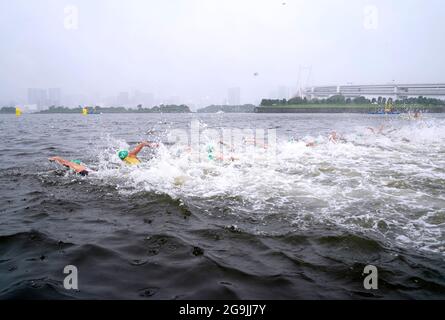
{"points": [[7, 110], [342, 100], [246, 108], [98, 109]]}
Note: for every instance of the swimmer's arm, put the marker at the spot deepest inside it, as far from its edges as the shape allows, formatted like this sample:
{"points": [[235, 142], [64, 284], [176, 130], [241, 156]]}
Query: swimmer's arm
{"points": [[140, 146], [61, 161], [76, 167]]}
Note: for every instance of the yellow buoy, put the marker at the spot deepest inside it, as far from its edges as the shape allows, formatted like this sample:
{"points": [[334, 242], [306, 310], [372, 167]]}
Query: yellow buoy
{"points": [[85, 111], [18, 112]]}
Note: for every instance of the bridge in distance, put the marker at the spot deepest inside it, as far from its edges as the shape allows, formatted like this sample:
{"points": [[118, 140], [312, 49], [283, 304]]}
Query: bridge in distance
{"points": [[395, 91]]}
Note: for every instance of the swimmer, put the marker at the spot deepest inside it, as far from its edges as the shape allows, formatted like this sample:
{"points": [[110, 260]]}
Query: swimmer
{"points": [[212, 155], [74, 165], [417, 115], [309, 144], [336, 138], [131, 158], [379, 130]]}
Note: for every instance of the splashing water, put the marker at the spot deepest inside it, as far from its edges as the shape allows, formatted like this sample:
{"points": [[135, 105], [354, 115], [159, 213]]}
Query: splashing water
{"points": [[389, 185]]}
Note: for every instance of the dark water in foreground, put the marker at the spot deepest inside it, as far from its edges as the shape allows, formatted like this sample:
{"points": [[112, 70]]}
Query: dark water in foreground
{"points": [[301, 226]]}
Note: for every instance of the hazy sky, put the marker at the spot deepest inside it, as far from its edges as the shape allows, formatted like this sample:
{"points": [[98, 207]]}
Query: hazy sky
{"points": [[197, 49]]}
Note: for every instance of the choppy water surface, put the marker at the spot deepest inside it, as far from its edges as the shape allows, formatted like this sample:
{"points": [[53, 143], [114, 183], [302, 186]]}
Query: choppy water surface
{"points": [[300, 224]]}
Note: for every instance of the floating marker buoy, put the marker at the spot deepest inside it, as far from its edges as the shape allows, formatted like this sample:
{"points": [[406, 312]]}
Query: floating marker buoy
{"points": [[18, 112], [85, 111]]}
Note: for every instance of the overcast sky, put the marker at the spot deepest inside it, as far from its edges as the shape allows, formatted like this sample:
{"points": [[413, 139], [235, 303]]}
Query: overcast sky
{"points": [[197, 49]]}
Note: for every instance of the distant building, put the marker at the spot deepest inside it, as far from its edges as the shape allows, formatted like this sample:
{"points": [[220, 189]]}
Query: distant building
{"points": [[234, 96], [54, 96], [37, 97]]}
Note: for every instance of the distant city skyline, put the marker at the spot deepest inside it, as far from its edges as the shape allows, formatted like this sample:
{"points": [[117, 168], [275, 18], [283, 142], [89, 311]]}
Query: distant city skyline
{"points": [[38, 98], [133, 98]]}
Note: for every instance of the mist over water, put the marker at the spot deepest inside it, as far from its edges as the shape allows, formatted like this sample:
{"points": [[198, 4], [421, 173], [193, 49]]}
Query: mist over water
{"points": [[193, 52], [302, 224]]}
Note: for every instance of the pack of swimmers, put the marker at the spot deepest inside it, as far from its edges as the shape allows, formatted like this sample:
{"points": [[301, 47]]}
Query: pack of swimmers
{"points": [[131, 157]]}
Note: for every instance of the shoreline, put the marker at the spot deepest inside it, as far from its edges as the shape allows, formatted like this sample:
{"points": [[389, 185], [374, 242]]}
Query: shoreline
{"points": [[366, 109], [307, 108]]}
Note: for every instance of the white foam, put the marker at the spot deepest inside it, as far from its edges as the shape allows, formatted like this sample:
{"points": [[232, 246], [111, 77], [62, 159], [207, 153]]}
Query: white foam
{"points": [[390, 185]]}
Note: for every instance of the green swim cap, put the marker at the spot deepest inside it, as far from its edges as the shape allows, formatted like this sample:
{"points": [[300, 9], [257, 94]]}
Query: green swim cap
{"points": [[76, 161], [123, 154], [210, 150]]}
